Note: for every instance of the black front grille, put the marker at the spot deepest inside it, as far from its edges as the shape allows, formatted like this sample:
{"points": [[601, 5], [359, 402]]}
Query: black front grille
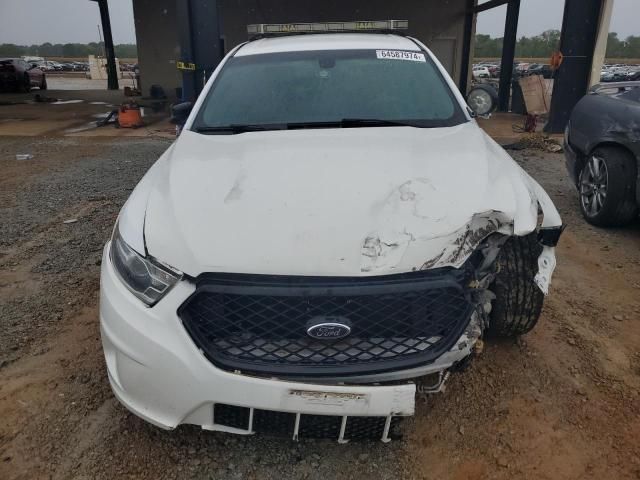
{"points": [[259, 323], [275, 424], [231, 416], [282, 424]]}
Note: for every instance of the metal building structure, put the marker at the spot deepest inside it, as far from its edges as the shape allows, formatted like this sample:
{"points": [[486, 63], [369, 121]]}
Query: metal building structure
{"points": [[112, 72], [585, 25]]}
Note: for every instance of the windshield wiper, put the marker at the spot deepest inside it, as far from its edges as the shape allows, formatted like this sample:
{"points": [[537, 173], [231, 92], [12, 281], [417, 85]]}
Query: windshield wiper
{"points": [[344, 123], [235, 129], [375, 122], [351, 123]]}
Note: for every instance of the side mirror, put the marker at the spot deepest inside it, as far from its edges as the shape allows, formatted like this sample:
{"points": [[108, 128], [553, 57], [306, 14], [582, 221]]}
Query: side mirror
{"points": [[180, 112], [482, 100]]}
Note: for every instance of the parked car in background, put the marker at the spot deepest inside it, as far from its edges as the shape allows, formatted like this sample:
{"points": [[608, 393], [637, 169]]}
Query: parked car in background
{"points": [[481, 72], [79, 66], [17, 74], [613, 76], [54, 66], [603, 153], [31, 59], [545, 70], [633, 76]]}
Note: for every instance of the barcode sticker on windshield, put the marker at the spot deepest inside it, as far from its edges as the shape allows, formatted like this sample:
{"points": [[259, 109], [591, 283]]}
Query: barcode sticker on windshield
{"points": [[401, 55]]}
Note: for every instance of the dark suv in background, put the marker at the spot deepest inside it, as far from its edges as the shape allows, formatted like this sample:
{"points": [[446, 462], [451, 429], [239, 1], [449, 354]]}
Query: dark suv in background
{"points": [[602, 148], [16, 74]]}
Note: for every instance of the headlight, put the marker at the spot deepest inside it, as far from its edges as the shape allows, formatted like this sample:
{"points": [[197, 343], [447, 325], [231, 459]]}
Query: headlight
{"points": [[144, 277]]}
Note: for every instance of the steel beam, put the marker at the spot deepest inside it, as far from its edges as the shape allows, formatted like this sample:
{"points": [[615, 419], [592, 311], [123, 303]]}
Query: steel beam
{"points": [[466, 47], [112, 71], [508, 54], [183, 18], [577, 43], [489, 5], [200, 43]]}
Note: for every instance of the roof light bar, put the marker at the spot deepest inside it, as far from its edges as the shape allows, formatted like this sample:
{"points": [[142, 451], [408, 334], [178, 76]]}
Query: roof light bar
{"points": [[326, 27]]}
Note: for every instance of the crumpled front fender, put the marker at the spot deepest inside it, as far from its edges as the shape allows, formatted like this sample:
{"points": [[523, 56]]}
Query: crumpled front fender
{"points": [[456, 247], [549, 234]]}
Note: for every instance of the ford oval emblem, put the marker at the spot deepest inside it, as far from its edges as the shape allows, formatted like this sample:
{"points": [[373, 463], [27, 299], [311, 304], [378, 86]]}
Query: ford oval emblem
{"points": [[328, 328]]}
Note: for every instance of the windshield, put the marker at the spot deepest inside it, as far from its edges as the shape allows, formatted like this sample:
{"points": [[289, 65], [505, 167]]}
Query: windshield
{"points": [[322, 88]]}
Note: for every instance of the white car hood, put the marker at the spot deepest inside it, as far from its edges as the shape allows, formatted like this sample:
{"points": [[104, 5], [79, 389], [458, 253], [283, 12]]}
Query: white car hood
{"points": [[340, 202]]}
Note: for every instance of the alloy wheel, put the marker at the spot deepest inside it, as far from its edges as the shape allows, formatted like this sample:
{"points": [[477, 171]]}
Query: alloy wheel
{"points": [[593, 186]]}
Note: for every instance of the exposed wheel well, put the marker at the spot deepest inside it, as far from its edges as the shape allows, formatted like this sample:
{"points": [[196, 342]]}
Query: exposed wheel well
{"points": [[609, 144]]}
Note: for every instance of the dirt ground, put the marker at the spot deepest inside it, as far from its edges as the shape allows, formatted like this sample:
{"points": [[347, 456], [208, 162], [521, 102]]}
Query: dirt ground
{"points": [[560, 403], [75, 108]]}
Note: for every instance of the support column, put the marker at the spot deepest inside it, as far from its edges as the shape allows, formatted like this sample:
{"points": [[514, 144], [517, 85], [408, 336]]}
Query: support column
{"points": [[467, 47], [601, 42], [200, 43], [183, 17], [577, 44], [112, 72], [508, 54]]}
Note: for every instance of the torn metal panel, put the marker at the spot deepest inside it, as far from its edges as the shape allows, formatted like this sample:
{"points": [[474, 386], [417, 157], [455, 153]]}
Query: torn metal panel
{"points": [[546, 265], [462, 243]]}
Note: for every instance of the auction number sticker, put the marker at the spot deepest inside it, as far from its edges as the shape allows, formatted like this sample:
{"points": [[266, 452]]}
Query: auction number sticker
{"points": [[401, 55]]}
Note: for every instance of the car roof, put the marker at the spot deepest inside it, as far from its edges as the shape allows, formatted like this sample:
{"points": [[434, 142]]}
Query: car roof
{"points": [[327, 41]]}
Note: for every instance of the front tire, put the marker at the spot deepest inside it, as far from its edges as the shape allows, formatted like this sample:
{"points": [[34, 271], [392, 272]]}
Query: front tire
{"points": [[518, 302], [607, 188]]}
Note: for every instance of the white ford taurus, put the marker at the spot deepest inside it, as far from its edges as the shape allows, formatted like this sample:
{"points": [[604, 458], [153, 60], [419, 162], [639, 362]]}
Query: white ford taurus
{"points": [[331, 232]]}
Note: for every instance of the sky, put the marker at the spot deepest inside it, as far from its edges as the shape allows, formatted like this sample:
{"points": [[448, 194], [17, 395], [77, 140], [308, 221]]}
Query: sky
{"points": [[536, 16], [26, 22]]}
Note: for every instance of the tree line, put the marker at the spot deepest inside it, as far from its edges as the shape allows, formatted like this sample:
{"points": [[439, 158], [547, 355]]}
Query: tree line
{"points": [[543, 45], [539, 46], [71, 50]]}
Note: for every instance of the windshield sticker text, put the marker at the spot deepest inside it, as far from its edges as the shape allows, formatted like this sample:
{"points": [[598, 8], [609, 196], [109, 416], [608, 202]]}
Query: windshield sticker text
{"points": [[400, 55]]}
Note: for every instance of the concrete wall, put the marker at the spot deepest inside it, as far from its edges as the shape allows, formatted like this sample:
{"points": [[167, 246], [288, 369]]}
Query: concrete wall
{"points": [[438, 23], [158, 44]]}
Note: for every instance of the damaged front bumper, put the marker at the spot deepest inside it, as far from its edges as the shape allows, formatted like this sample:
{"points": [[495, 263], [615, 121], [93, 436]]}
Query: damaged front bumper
{"points": [[156, 372]]}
